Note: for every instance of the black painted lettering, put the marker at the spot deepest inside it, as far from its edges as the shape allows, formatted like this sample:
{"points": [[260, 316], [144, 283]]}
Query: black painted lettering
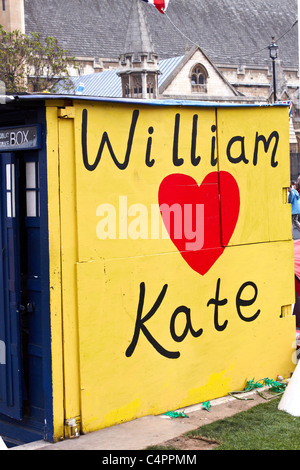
{"points": [[241, 145], [261, 138], [213, 159], [140, 325], [195, 160], [105, 140], [217, 302], [149, 162], [176, 161], [188, 326], [246, 303]]}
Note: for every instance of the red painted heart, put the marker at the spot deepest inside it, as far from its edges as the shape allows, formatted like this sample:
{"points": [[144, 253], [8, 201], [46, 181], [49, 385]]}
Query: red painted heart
{"points": [[201, 219]]}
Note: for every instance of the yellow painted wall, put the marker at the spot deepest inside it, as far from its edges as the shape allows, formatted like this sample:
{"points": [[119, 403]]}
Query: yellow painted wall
{"points": [[201, 334]]}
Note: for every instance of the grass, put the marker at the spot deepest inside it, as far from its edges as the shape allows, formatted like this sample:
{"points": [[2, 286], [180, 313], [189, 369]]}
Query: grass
{"points": [[262, 427]]}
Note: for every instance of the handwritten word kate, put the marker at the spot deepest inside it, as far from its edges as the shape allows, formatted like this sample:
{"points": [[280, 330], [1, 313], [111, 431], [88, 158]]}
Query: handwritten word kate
{"points": [[235, 150], [140, 324]]}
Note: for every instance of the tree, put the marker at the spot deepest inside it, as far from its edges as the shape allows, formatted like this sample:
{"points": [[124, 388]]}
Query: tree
{"points": [[48, 62], [13, 60], [30, 63]]}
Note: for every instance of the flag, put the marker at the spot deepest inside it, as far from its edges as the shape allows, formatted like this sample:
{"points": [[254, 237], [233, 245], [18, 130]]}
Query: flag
{"points": [[161, 5]]}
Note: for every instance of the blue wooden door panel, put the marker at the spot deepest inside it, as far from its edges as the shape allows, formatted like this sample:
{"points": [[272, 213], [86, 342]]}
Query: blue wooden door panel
{"points": [[11, 400], [32, 286]]}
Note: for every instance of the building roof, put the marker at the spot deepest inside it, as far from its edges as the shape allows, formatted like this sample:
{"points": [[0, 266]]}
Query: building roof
{"points": [[229, 31], [138, 38], [108, 83]]}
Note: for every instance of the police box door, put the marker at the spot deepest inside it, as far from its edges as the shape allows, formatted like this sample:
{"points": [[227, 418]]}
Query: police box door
{"points": [[22, 392], [11, 400]]}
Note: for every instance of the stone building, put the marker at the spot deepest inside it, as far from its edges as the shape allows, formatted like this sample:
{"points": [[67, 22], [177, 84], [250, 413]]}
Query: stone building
{"points": [[139, 67]]}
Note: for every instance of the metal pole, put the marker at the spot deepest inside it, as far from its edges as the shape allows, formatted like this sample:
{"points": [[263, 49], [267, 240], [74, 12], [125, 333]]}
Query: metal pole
{"points": [[274, 80]]}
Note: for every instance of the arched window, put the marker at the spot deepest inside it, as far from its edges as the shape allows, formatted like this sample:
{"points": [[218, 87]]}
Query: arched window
{"points": [[199, 79]]}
